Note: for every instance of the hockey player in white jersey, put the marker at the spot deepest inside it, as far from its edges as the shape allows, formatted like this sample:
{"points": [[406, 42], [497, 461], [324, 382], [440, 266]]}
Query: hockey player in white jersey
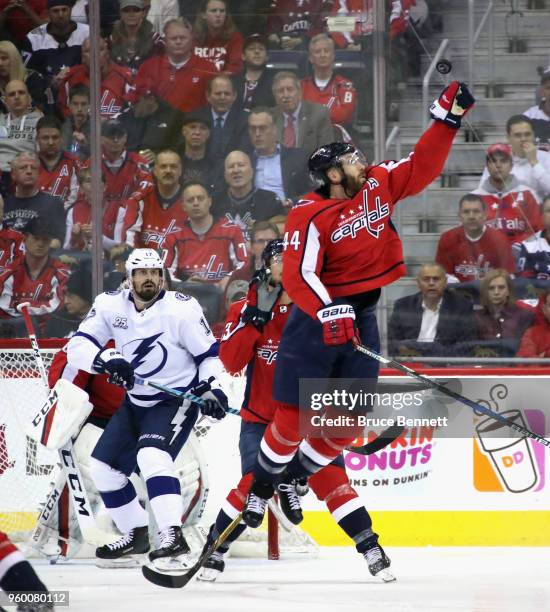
{"points": [[162, 336]]}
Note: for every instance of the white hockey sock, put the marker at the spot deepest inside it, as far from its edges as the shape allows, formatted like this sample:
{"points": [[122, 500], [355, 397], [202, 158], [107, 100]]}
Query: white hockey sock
{"points": [[163, 487]]}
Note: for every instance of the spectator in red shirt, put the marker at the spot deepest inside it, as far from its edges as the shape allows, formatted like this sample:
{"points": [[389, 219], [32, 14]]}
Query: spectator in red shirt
{"points": [[512, 207], [324, 86], [18, 18], [40, 280], [158, 213], [11, 244], [58, 170], [469, 251], [535, 342], [178, 76], [292, 22], [216, 37], [204, 251], [117, 82]]}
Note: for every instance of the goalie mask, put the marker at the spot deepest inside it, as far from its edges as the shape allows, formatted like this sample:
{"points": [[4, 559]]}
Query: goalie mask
{"points": [[144, 290]]}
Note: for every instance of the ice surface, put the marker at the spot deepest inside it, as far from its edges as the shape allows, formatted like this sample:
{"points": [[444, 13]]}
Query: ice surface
{"points": [[429, 580]]}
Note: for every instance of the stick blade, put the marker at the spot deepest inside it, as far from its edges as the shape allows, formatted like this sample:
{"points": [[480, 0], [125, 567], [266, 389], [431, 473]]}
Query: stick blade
{"points": [[168, 581]]}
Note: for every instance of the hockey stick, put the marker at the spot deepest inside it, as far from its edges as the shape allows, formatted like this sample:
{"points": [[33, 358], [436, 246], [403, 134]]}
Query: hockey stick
{"points": [[77, 490], [450, 393], [176, 393], [177, 581]]}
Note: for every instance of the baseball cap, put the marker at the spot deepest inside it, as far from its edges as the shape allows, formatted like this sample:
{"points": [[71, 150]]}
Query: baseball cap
{"points": [[500, 148], [54, 3], [236, 290], [80, 284], [113, 127], [124, 3], [203, 118], [39, 226], [255, 38]]}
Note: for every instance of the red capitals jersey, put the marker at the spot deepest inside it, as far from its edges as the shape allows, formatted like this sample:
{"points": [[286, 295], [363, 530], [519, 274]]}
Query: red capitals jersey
{"points": [[213, 255], [296, 17], [147, 223], [45, 293], [62, 179], [336, 248], [338, 95], [244, 346], [117, 88], [224, 55], [183, 88], [468, 259], [80, 213], [12, 249], [516, 213], [104, 397]]}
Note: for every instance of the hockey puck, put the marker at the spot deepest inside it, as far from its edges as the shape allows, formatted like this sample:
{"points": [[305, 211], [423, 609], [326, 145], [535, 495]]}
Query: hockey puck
{"points": [[444, 66]]}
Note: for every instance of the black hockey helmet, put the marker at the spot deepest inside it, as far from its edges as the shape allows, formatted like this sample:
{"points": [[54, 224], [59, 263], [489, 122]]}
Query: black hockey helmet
{"points": [[273, 247], [325, 157]]}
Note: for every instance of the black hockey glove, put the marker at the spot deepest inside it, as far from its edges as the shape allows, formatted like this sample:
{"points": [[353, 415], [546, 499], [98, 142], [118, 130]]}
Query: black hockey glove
{"points": [[111, 362], [453, 103], [214, 401], [260, 300]]}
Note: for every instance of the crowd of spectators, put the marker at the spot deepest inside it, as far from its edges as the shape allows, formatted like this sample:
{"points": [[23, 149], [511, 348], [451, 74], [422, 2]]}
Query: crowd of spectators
{"points": [[204, 150]]}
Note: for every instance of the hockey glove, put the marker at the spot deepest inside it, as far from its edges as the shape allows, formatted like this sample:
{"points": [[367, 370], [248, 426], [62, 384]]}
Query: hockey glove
{"points": [[260, 300], [214, 401], [453, 103], [338, 321], [111, 362]]}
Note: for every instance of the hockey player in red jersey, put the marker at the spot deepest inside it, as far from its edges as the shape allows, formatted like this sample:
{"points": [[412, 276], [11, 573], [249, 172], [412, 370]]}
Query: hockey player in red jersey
{"points": [[18, 576], [251, 339], [341, 248]]}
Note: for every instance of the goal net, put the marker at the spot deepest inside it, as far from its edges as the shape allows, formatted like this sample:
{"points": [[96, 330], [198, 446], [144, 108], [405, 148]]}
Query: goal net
{"points": [[27, 469]]}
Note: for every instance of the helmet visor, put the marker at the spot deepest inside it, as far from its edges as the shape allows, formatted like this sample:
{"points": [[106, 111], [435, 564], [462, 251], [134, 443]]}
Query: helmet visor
{"points": [[353, 159]]}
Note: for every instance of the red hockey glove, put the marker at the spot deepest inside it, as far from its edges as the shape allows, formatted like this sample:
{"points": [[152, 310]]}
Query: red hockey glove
{"points": [[338, 322], [453, 103]]}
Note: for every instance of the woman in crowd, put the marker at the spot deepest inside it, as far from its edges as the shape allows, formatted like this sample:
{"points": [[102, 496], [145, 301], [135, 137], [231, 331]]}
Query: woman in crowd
{"points": [[217, 38], [536, 340], [13, 69], [501, 322], [133, 38]]}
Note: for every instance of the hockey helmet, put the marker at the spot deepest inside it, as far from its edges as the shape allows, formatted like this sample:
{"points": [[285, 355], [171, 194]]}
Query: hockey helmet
{"points": [[272, 248], [329, 156], [143, 258]]}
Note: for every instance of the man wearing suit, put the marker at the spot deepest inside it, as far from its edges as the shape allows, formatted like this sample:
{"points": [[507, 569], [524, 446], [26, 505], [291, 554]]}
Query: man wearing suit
{"points": [[229, 126], [433, 322], [276, 168], [300, 123]]}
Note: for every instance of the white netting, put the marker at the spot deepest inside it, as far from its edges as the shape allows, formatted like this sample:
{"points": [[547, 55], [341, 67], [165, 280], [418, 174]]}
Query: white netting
{"points": [[26, 468]]}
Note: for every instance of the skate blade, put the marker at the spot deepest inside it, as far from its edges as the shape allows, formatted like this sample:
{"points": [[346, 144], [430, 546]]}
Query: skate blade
{"points": [[178, 564], [385, 576], [122, 563], [208, 574]]}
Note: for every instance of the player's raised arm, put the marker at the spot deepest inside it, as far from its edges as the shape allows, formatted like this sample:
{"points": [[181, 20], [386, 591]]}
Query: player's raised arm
{"points": [[414, 173]]}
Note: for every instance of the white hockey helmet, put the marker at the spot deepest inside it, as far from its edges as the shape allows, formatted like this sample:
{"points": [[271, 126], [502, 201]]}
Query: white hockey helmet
{"points": [[143, 258]]}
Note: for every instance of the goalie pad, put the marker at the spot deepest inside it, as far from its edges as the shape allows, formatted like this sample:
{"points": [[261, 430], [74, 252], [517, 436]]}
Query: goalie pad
{"points": [[61, 417]]}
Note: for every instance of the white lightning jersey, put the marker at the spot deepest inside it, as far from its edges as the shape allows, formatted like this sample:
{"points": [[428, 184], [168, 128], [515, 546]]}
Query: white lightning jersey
{"points": [[170, 342]]}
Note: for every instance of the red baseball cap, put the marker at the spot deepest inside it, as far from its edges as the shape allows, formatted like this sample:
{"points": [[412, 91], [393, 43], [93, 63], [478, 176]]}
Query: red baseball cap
{"points": [[500, 148]]}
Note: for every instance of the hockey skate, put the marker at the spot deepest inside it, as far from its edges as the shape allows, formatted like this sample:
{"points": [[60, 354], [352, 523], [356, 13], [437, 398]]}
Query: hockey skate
{"points": [[290, 502], [173, 552], [378, 562], [256, 504], [302, 486], [120, 553], [212, 567]]}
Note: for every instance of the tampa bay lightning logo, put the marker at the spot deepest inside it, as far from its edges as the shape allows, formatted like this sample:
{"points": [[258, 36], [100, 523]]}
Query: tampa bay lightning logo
{"points": [[148, 350]]}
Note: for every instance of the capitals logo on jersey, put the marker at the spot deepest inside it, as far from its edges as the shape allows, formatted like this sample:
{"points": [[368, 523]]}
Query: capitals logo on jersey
{"points": [[149, 354], [268, 351], [367, 215]]}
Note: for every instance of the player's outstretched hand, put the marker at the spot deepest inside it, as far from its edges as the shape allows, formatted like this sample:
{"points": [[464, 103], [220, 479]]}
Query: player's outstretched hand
{"points": [[338, 321], [214, 401], [453, 103], [260, 300], [120, 372]]}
